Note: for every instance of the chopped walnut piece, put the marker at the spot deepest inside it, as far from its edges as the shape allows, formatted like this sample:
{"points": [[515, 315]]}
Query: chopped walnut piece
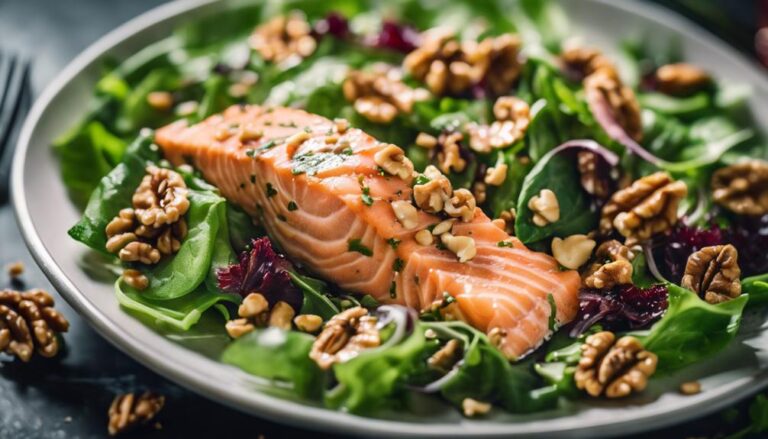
{"points": [[472, 408], [512, 119], [255, 312], [461, 205], [647, 207], [446, 357], [29, 323], [15, 269], [462, 246], [612, 266], [573, 251], [309, 323], [742, 188], [508, 217], [614, 368], [127, 411], [344, 337], [713, 273], [449, 152], [545, 208], [681, 79], [380, 95], [160, 100], [284, 38], [432, 195], [139, 252], [393, 161], [135, 279], [448, 66], [480, 191], [690, 388], [584, 61], [426, 141], [620, 99], [405, 213]]}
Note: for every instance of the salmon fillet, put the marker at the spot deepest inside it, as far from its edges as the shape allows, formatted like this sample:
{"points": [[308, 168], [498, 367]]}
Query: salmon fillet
{"points": [[310, 200]]}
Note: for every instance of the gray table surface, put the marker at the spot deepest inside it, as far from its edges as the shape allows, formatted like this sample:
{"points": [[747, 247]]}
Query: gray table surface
{"points": [[68, 397]]}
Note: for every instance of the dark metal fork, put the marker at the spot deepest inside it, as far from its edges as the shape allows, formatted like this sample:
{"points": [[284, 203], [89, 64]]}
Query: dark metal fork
{"points": [[15, 100]]}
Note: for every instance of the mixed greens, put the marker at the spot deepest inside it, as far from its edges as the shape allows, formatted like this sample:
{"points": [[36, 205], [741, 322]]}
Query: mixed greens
{"points": [[209, 65]]}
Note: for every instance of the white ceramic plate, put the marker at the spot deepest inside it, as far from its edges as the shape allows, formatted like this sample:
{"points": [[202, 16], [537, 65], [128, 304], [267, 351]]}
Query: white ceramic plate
{"points": [[45, 214]]}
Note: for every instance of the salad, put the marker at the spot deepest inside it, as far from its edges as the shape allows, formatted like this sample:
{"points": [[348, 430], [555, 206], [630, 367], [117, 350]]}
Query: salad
{"points": [[441, 198]]}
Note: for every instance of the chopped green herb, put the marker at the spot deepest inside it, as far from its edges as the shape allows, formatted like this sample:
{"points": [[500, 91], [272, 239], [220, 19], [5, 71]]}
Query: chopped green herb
{"points": [[311, 163], [356, 245], [398, 265], [553, 312], [292, 206], [282, 218], [421, 179], [393, 243], [253, 178], [271, 192], [393, 290], [347, 151], [242, 185], [250, 152], [505, 244], [266, 146], [308, 130], [366, 196]]}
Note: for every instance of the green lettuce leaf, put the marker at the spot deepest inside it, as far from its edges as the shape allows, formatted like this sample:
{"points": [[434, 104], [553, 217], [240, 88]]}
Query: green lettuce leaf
{"points": [[181, 313], [692, 329], [281, 356]]}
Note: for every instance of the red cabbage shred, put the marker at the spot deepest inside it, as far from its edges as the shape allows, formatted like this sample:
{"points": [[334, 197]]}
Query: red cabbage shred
{"points": [[624, 307], [260, 269]]}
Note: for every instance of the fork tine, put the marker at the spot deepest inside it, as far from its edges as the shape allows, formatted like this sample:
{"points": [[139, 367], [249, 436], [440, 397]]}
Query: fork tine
{"points": [[12, 97]]}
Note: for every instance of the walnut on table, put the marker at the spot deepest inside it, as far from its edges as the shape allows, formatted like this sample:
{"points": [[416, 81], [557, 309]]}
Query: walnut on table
{"points": [[614, 368], [713, 273], [742, 188], [128, 411], [645, 208], [29, 323], [344, 337]]}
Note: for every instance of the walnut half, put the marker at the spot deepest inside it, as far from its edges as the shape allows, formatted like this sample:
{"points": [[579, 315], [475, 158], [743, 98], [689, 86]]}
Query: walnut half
{"points": [[713, 273], [742, 188], [344, 336], [647, 207], [129, 411], [614, 368], [612, 266]]}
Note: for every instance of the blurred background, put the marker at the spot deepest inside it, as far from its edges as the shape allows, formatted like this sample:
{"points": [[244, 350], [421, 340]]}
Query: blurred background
{"points": [[69, 397]]}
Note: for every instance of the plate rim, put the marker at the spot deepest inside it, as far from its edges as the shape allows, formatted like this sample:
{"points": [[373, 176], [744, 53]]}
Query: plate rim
{"points": [[295, 413]]}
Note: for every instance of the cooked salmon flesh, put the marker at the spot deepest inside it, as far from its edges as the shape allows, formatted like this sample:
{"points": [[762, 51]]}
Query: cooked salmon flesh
{"points": [[318, 191]]}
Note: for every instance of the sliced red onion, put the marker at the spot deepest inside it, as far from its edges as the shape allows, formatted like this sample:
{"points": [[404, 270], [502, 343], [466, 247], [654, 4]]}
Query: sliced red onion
{"points": [[398, 315], [652, 267], [586, 144], [605, 117], [437, 385]]}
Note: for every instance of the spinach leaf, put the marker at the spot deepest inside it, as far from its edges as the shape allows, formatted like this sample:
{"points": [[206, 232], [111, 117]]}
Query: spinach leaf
{"points": [[194, 262], [757, 289], [316, 296], [558, 173], [89, 147], [278, 355], [676, 106], [504, 197], [373, 380], [114, 192], [181, 313], [136, 111], [241, 228], [692, 329]]}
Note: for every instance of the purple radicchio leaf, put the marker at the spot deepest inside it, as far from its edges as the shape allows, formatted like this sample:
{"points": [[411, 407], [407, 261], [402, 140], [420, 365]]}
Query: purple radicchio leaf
{"points": [[395, 36], [261, 270], [333, 24], [624, 307]]}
